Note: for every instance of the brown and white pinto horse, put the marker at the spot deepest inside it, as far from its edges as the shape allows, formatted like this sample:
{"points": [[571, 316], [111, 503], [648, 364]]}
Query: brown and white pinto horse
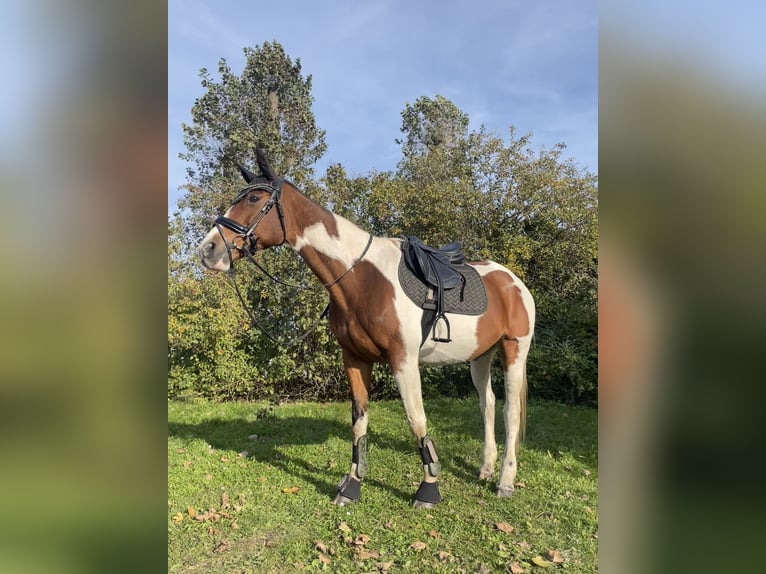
{"points": [[375, 322]]}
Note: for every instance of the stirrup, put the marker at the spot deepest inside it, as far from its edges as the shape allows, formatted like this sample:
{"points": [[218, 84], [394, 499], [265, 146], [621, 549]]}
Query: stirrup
{"points": [[441, 317]]}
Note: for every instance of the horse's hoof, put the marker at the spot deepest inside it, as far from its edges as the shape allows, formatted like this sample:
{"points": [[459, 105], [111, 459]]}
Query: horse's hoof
{"points": [[504, 491], [421, 504], [341, 500], [486, 473]]}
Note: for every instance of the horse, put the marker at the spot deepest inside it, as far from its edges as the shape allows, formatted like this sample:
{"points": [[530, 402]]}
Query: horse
{"points": [[374, 322]]}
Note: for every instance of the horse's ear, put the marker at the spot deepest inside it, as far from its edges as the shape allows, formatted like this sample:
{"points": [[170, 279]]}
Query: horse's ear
{"points": [[248, 175], [260, 159]]}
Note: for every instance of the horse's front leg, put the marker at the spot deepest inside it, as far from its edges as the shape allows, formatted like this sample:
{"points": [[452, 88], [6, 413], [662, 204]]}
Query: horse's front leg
{"points": [[359, 373], [407, 375]]}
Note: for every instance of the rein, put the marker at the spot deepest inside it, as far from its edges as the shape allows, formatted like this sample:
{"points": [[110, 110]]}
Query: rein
{"points": [[249, 248]]}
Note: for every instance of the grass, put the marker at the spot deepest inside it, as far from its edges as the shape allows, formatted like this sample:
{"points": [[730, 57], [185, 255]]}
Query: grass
{"points": [[307, 445]]}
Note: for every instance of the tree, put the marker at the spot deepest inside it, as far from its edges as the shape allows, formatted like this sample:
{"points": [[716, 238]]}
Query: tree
{"points": [[268, 104], [211, 349], [531, 211]]}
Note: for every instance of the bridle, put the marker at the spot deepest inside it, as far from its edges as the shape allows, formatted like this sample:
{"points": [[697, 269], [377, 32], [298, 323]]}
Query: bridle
{"points": [[249, 242], [249, 247]]}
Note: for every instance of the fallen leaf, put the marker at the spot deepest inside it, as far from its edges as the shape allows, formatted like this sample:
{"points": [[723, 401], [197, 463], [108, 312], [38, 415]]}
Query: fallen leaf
{"points": [[343, 527], [418, 546], [191, 512], [515, 568], [361, 540], [554, 556], [243, 454], [234, 524], [388, 525], [181, 450], [445, 556], [520, 485], [433, 534], [319, 545], [177, 518], [324, 559], [331, 464], [348, 541], [366, 555], [221, 546], [384, 566], [212, 531], [586, 472], [208, 476], [224, 500], [224, 459], [261, 479], [483, 569], [291, 489], [541, 562], [524, 545], [504, 527], [187, 463]]}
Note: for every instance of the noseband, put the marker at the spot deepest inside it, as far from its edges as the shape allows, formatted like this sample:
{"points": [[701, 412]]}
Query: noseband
{"points": [[249, 242]]}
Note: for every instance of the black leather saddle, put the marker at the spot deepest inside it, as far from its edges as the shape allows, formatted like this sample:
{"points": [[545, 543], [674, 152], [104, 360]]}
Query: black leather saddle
{"points": [[436, 269]]}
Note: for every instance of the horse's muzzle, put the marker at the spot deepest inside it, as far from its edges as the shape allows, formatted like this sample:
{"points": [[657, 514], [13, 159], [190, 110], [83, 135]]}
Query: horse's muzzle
{"points": [[214, 257]]}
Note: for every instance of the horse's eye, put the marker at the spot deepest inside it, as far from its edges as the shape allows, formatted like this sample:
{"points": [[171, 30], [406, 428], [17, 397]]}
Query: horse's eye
{"points": [[253, 198]]}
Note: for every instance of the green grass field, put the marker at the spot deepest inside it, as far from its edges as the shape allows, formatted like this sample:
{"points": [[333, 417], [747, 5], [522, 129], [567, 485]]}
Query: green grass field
{"points": [[250, 485]]}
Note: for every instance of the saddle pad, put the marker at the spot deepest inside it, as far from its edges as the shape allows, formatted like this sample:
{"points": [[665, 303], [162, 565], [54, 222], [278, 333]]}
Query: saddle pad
{"points": [[474, 300]]}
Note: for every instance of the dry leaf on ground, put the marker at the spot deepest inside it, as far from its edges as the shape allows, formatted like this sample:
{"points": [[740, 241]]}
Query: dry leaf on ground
{"points": [[515, 568], [344, 527], [554, 556], [324, 559], [178, 517], [504, 527], [418, 545], [291, 489]]}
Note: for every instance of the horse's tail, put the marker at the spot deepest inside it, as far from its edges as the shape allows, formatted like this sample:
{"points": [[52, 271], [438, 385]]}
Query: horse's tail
{"points": [[522, 410]]}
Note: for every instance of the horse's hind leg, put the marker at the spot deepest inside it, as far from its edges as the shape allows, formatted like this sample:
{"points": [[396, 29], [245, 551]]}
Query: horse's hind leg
{"points": [[359, 374], [407, 375], [480, 374], [514, 356]]}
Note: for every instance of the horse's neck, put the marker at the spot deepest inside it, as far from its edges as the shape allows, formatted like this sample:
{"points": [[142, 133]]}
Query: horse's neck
{"points": [[328, 243]]}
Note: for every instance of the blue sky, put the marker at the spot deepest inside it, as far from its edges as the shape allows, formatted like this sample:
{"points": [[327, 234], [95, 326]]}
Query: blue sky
{"points": [[532, 65]]}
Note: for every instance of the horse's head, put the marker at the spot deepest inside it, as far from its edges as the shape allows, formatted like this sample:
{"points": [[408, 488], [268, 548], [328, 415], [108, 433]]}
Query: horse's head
{"points": [[254, 221]]}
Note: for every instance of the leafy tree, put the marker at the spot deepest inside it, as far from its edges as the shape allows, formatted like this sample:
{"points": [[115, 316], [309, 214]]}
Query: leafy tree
{"points": [[211, 349], [268, 104], [530, 211]]}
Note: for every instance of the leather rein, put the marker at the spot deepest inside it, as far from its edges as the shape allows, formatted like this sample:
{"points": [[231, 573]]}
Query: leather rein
{"points": [[249, 247]]}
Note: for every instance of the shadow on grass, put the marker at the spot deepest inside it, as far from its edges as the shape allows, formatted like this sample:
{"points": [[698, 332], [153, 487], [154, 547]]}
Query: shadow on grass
{"points": [[550, 427], [274, 433]]}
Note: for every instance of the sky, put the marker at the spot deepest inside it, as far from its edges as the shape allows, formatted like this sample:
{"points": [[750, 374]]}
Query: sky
{"points": [[531, 65]]}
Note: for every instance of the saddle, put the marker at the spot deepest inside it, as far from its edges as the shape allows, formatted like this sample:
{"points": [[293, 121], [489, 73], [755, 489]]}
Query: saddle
{"points": [[436, 269]]}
